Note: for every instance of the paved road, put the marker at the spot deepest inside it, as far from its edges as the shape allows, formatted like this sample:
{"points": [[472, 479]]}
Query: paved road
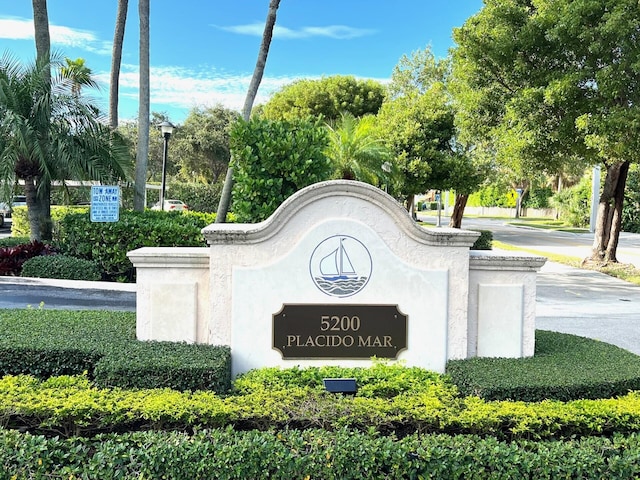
{"points": [[66, 295], [570, 300], [564, 243], [589, 304]]}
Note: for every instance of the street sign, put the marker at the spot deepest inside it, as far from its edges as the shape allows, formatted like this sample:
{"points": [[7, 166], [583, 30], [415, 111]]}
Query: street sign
{"points": [[105, 203]]}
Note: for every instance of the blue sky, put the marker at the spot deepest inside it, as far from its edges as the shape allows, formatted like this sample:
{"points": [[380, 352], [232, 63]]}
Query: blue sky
{"points": [[203, 52]]}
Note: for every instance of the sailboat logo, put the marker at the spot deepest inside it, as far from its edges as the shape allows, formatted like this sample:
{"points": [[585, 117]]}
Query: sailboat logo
{"points": [[340, 266]]}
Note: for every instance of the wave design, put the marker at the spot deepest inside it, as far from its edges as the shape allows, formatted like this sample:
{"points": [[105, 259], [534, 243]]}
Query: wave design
{"points": [[341, 288]]}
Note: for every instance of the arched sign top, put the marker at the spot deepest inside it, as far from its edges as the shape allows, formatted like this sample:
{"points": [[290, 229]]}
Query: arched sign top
{"points": [[333, 193]]}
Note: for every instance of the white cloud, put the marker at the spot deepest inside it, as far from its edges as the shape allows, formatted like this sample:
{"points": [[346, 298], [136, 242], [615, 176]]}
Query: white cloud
{"points": [[16, 29], [176, 90], [22, 29], [339, 32], [182, 89]]}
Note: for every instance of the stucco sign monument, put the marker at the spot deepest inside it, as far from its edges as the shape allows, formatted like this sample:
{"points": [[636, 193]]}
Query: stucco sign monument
{"points": [[340, 273]]}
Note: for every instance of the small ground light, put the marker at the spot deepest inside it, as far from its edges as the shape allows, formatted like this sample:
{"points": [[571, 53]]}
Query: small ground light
{"points": [[340, 385]]}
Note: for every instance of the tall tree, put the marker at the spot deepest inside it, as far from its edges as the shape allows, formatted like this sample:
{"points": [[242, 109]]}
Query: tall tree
{"points": [[116, 62], [41, 27], [418, 122], [140, 193], [203, 143], [330, 97], [553, 82], [43, 55], [78, 74], [419, 129], [75, 145], [225, 198]]}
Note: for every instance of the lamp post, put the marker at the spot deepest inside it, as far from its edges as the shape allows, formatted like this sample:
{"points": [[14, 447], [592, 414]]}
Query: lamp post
{"points": [[167, 129]]}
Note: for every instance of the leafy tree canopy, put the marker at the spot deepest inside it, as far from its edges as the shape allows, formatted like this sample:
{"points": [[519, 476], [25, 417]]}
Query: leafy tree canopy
{"points": [[554, 82], [273, 160], [202, 143], [328, 97]]}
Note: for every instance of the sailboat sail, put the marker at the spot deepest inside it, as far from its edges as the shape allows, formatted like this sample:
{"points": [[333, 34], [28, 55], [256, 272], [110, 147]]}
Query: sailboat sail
{"points": [[329, 264], [337, 265]]}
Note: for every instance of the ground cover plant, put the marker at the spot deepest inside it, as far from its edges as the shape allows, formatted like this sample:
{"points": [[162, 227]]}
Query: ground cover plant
{"points": [[403, 422]]}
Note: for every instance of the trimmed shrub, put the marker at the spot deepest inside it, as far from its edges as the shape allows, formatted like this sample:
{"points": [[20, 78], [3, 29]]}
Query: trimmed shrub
{"points": [[484, 241], [20, 222], [45, 343], [273, 160], [574, 203], [179, 366], [73, 406], [564, 367], [61, 267], [200, 197], [107, 244], [380, 380], [13, 241]]}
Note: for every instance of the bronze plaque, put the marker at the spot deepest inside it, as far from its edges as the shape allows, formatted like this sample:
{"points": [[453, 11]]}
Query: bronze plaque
{"points": [[339, 331]]}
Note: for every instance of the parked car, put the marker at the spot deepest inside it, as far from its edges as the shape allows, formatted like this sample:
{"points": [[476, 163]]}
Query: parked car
{"points": [[171, 206], [16, 201]]}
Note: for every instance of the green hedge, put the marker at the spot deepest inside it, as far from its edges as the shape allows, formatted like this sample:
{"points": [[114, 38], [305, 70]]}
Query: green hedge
{"points": [[313, 454], [72, 405], [60, 267], [484, 241], [13, 241], [564, 367], [107, 244], [45, 343]]}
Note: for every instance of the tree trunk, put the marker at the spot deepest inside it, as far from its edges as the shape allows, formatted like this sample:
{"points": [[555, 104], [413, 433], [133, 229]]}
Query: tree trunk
{"points": [[39, 212], [43, 200], [616, 217], [34, 212], [116, 61], [458, 210], [602, 236], [41, 26], [411, 201], [142, 154], [262, 59], [225, 198]]}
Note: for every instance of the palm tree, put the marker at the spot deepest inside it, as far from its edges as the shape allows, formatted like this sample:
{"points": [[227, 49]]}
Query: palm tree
{"points": [[356, 151], [142, 154], [43, 52], [41, 27], [78, 74], [75, 144], [116, 60], [267, 34]]}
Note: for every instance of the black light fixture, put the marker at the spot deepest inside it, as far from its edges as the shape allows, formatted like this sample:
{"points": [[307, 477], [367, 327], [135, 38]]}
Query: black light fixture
{"points": [[167, 129], [340, 385]]}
